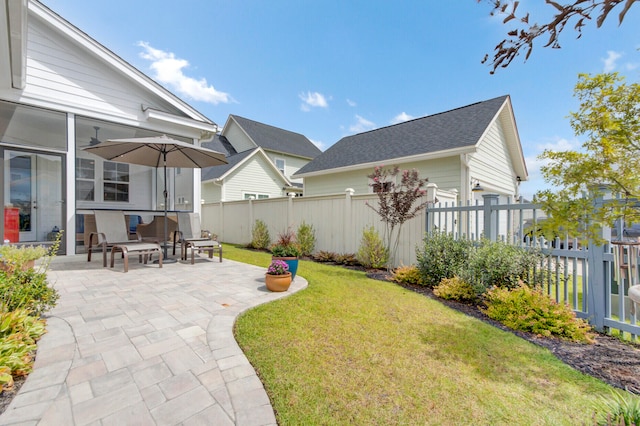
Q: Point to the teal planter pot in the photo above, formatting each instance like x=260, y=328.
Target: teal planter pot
x=292, y=262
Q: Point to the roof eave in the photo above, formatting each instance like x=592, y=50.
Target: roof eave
x=400, y=160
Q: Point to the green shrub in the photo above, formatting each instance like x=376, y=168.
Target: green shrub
x=27, y=289
x=306, y=239
x=325, y=256
x=531, y=310
x=18, y=334
x=280, y=250
x=407, y=275
x=442, y=256
x=17, y=257
x=455, y=289
x=623, y=408
x=500, y=264
x=372, y=252
x=260, y=238
x=348, y=259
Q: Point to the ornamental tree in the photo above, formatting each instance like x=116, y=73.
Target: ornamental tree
x=609, y=118
x=578, y=12
x=396, y=202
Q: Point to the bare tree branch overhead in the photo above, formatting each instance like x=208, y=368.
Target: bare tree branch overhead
x=579, y=13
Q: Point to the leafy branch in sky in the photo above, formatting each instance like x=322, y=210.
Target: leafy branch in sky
x=579, y=12
x=609, y=118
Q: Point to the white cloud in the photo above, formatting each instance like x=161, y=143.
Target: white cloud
x=361, y=125
x=312, y=99
x=351, y=103
x=169, y=71
x=610, y=60
x=403, y=116
x=321, y=145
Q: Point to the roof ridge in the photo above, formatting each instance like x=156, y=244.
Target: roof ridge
x=268, y=125
x=428, y=116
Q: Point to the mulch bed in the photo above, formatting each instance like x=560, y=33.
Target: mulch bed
x=609, y=359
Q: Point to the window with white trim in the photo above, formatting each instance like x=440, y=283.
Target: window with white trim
x=280, y=164
x=116, y=181
x=256, y=196
x=85, y=179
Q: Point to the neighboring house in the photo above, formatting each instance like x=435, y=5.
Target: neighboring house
x=61, y=91
x=262, y=160
x=473, y=146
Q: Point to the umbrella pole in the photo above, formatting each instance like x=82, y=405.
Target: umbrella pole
x=165, y=258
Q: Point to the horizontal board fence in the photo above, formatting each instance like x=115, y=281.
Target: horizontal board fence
x=594, y=281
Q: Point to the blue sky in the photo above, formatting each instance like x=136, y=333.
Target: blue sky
x=328, y=69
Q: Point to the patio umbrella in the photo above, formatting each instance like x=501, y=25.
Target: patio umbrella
x=155, y=152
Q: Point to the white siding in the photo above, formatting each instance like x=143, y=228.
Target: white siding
x=444, y=172
x=238, y=137
x=255, y=176
x=491, y=164
x=211, y=192
x=291, y=164
x=60, y=73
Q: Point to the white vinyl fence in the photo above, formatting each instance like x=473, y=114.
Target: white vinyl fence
x=338, y=220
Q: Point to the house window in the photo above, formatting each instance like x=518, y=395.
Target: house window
x=255, y=196
x=116, y=181
x=280, y=164
x=381, y=187
x=85, y=179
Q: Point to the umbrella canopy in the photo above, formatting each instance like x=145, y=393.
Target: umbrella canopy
x=152, y=151
x=155, y=152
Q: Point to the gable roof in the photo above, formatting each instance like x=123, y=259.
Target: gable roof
x=14, y=31
x=457, y=129
x=275, y=139
x=234, y=161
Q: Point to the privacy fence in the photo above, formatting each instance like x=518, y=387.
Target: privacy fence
x=593, y=280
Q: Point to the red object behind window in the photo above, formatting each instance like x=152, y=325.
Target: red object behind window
x=12, y=224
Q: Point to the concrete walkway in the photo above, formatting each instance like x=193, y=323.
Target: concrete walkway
x=148, y=347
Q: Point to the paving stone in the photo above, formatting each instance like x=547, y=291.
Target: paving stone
x=152, y=375
x=103, y=406
x=175, y=386
x=86, y=372
x=214, y=415
x=121, y=357
x=135, y=415
x=181, y=408
x=182, y=359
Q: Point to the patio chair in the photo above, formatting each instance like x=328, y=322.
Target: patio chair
x=112, y=232
x=189, y=235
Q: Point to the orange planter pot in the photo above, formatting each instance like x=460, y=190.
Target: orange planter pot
x=278, y=282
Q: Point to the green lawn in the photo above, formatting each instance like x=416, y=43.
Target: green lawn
x=351, y=350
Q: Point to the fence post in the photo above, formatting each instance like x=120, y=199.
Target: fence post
x=490, y=223
x=597, y=297
x=251, y=198
x=347, y=230
x=290, y=221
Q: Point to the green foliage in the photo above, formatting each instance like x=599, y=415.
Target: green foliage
x=325, y=256
x=497, y=263
x=609, y=119
x=260, y=238
x=27, y=289
x=17, y=257
x=407, y=274
x=349, y=259
x=622, y=408
x=306, y=237
x=286, y=245
x=372, y=252
x=442, y=256
x=279, y=250
x=18, y=334
x=455, y=289
x=531, y=310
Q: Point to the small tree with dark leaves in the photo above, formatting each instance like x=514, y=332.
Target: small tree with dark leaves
x=396, y=202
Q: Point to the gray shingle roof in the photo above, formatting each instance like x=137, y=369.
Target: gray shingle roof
x=275, y=139
x=215, y=172
x=457, y=128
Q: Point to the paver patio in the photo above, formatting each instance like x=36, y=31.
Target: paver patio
x=148, y=347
